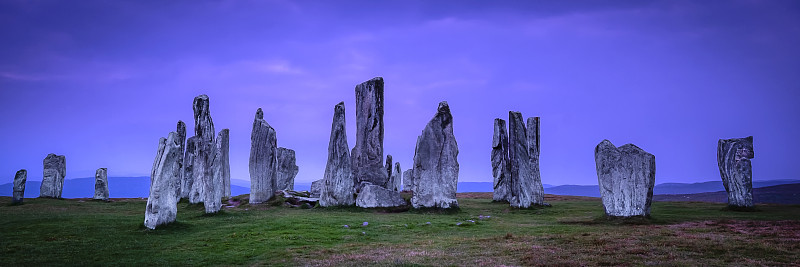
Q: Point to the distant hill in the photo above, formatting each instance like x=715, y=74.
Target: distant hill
x=777, y=194
x=133, y=187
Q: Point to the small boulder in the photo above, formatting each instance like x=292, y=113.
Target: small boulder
x=373, y=196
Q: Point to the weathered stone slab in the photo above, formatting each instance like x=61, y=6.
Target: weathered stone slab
x=162, y=202
x=202, y=169
x=436, y=163
x=373, y=196
x=408, y=180
x=101, y=184
x=626, y=176
x=500, y=170
x=55, y=168
x=526, y=186
x=316, y=188
x=367, y=155
x=187, y=178
x=19, y=186
x=395, y=180
x=733, y=158
x=222, y=167
x=337, y=186
x=181, y=131
x=287, y=169
x=263, y=160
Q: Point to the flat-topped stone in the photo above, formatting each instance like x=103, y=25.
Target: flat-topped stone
x=626, y=176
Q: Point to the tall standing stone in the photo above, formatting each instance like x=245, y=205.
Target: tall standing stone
x=500, y=171
x=55, y=168
x=181, y=131
x=408, y=180
x=537, y=189
x=388, y=168
x=222, y=167
x=436, y=163
x=162, y=203
x=287, y=169
x=337, y=183
x=367, y=155
x=214, y=181
x=101, y=183
x=523, y=181
x=626, y=176
x=396, y=178
x=201, y=169
x=733, y=158
x=19, y=186
x=187, y=177
x=263, y=160
x=203, y=125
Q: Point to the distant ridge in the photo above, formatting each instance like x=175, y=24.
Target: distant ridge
x=139, y=187
x=776, y=194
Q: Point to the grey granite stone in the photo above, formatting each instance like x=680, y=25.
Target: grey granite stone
x=408, y=180
x=373, y=196
x=187, y=176
x=222, y=167
x=367, y=155
x=395, y=180
x=55, y=168
x=203, y=125
x=19, y=186
x=162, y=202
x=181, y=131
x=626, y=176
x=336, y=187
x=436, y=163
x=287, y=169
x=101, y=184
x=500, y=170
x=316, y=188
x=733, y=158
x=526, y=186
x=263, y=160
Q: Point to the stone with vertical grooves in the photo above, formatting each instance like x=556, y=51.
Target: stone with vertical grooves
x=526, y=185
x=55, y=168
x=626, y=176
x=367, y=155
x=101, y=184
x=733, y=159
x=287, y=169
x=436, y=163
x=201, y=169
x=388, y=168
x=537, y=189
x=500, y=171
x=162, y=203
x=222, y=166
x=187, y=176
x=336, y=187
x=181, y=130
x=19, y=186
x=203, y=125
x=263, y=160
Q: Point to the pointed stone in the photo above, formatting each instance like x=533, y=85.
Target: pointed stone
x=500, y=170
x=408, y=180
x=436, y=163
x=263, y=160
x=55, y=168
x=287, y=169
x=367, y=155
x=373, y=196
x=187, y=178
x=626, y=176
x=181, y=131
x=733, y=158
x=203, y=125
x=101, y=184
x=19, y=186
x=337, y=186
x=162, y=203
x=396, y=178
x=222, y=168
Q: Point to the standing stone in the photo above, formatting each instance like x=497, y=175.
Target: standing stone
x=373, y=196
x=436, y=163
x=101, y=184
x=181, y=130
x=263, y=160
x=526, y=189
x=500, y=171
x=367, y=155
x=733, y=158
x=408, y=180
x=396, y=178
x=162, y=204
x=55, y=168
x=222, y=167
x=187, y=178
x=316, y=188
x=537, y=189
x=203, y=125
x=201, y=169
x=337, y=184
x=19, y=186
x=388, y=168
x=214, y=180
x=626, y=176
x=287, y=169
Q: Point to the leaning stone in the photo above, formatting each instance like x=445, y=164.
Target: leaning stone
x=336, y=187
x=223, y=166
x=19, y=186
x=626, y=176
x=367, y=155
x=316, y=188
x=287, y=169
x=187, y=178
x=373, y=196
x=162, y=203
x=500, y=170
x=55, y=168
x=733, y=158
x=408, y=180
x=436, y=163
x=101, y=184
x=263, y=160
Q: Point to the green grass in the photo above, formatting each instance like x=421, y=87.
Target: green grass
x=46, y=232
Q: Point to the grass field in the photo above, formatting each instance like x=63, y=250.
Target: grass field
x=47, y=232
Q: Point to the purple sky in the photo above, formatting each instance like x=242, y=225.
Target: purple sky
x=101, y=81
